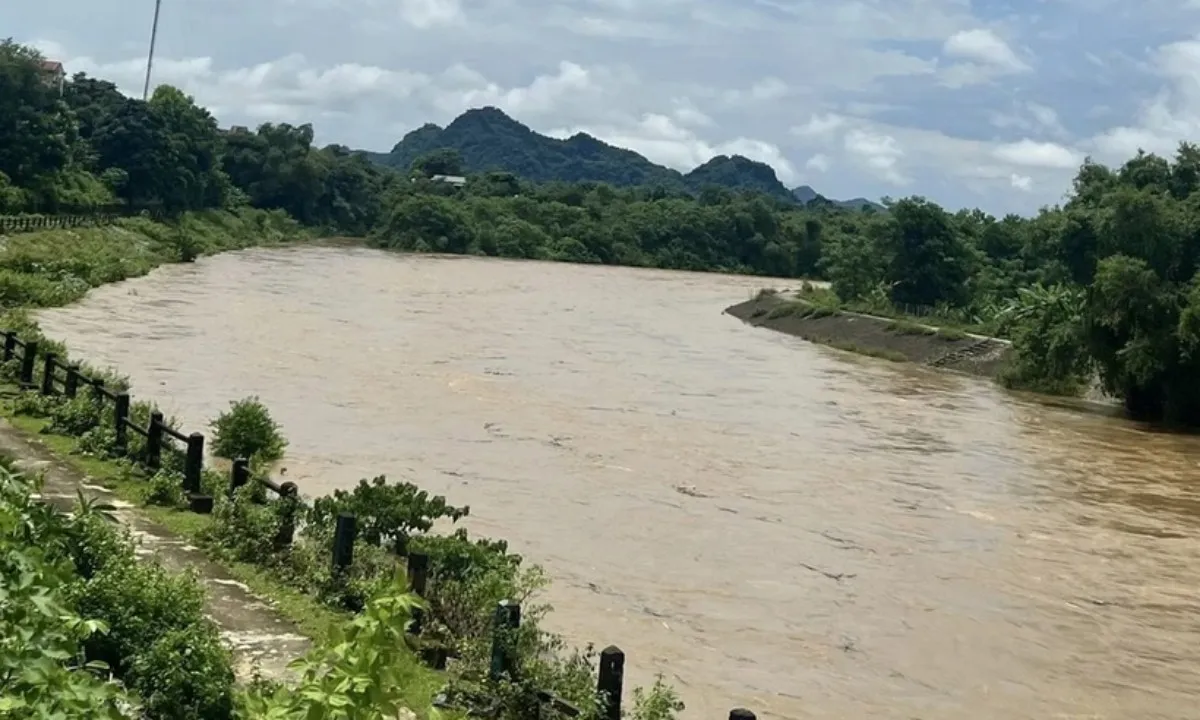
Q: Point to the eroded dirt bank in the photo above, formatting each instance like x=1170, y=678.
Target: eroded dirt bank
x=881, y=337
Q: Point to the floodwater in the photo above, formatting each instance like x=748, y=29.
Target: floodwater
x=771, y=524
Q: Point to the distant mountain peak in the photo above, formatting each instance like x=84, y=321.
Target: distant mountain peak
x=805, y=195
x=490, y=139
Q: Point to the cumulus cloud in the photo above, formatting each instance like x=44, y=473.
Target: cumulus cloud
x=984, y=56
x=983, y=46
x=1171, y=115
x=861, y=98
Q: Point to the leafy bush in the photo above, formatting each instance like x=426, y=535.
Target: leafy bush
x=359, y=674
x=243, y=528
x=94, y=541
x=45, y=674
x=660, y=702
x=140, y=602
x=76, y=416
x=385, y=512
x=159, y=640
x=186, y=674
x=164, y=488
x=247, y=430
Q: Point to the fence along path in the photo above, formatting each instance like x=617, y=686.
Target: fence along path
x=86, y=217
x=507, y=615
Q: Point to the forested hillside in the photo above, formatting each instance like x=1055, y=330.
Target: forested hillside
x=1105, y=283
x=489, y=140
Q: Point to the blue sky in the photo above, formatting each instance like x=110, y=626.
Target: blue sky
x=990, y=104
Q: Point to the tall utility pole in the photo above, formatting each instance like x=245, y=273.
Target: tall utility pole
x=150, y=57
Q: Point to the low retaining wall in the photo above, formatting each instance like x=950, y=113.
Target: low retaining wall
x=877, y=336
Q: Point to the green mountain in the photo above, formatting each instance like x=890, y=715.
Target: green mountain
x=805, y=195
x=488, y=139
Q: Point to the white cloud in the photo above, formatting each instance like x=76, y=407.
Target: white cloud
x=879, y=153
x=665, y=141
x=983, y=46
x=1170, y=116
x=425, y=14
x=819, y=162
x=1030, y=117
x=1028, y=153
x=820, y=125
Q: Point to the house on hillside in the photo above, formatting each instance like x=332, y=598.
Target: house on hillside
x=53, y=74
x=455, y=180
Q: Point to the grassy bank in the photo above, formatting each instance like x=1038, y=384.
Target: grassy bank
x=817, y=316
x=57, y=267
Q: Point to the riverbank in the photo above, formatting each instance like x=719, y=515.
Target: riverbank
x=896, y=340
x=51, y=268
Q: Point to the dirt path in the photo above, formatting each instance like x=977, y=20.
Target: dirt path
x=259, y=635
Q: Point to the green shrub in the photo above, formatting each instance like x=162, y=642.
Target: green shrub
x=140, y=602
x=247, y=430
x=75, y=417
x=34, y=404
x=97, y=442
x=660, y=702
x=164, y=488
x=242, y=528
x=42, y=635
x=384, y=511
x=360, y=672
x=94, y=543
x=186, y=674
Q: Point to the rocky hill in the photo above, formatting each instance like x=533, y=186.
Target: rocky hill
x=488, y=139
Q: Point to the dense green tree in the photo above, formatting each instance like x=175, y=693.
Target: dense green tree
x=927, y=261
x=445, y=161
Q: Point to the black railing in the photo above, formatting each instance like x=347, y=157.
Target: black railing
x=74, y=218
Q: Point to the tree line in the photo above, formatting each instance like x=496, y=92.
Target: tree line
x=1104, y=285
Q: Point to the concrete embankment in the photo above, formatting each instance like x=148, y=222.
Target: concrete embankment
x=870, y=335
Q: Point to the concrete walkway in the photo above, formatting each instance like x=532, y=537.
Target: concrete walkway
x=260, y=636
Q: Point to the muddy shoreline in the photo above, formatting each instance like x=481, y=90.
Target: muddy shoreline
x=880, y=337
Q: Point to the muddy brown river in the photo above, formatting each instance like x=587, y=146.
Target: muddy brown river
x=768, y=523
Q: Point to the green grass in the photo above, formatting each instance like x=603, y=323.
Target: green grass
x=51, y=268
x=799, y=309
x=949, y=328
x=905, y=327
x=312, y=617
x=952, y=334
